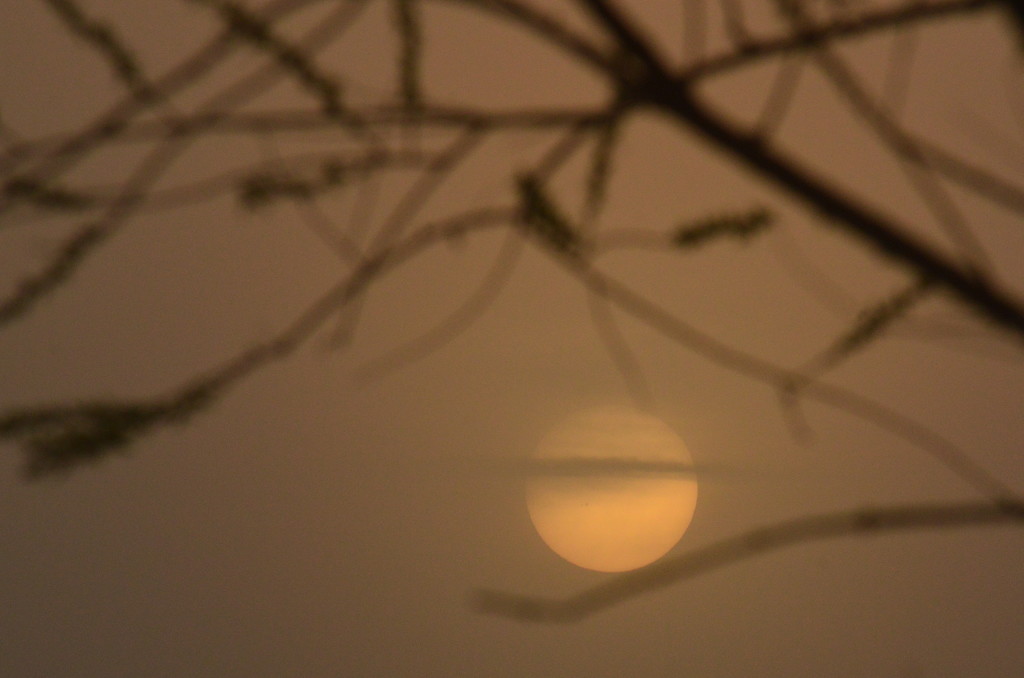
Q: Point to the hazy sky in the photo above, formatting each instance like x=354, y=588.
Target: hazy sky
x=315, y=523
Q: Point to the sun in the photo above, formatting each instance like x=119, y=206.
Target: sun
x=611, y=489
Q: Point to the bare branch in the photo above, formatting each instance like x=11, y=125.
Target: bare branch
x=675, y=97
x=673, y=570
x=305, y=176
x=58, y=439
x=70, y=255
x=249, y=27
x=454, y=323
x=629, y=37
x=953, y=458
x=899, y=69
x=912, y=158
x=49, y=166
x=780, y=96
x=429, y=181
x=176, y=140
x=407, y=23
x=545, y=219
x=735, y=23
x=107, y=43
x=885, y=235
x=870, y=324
x=624, y=358
x=380, y=117
x=544, y=26
x=741, y=226
x=748, y=52
x=601, y=168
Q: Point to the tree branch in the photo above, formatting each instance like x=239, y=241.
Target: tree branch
x=748, y=545
x=885, y=235
x=543, y=25
x=59, y=438
x=674, y=96
x=749, y=52
x=107, y=43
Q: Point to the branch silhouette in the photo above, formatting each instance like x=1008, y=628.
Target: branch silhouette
x=58, y=439
x=400, y=132
x=641, y=77
x=670, y=571
x=373, y=161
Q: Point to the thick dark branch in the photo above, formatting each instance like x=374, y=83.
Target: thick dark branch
x=911, y=156
x=784, y=381
x=892, y=239
x=674, y=97
x=670, y=571
x=408, y=24
x=629, y=37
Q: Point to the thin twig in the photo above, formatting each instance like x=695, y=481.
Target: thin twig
x=426, y=185
x=101, y=37
x=780, y=96
x=540, y=24
x=455, y=323
x=896, y=86
x=623, y=357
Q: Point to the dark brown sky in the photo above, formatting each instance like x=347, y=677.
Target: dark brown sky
x=315, y=524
